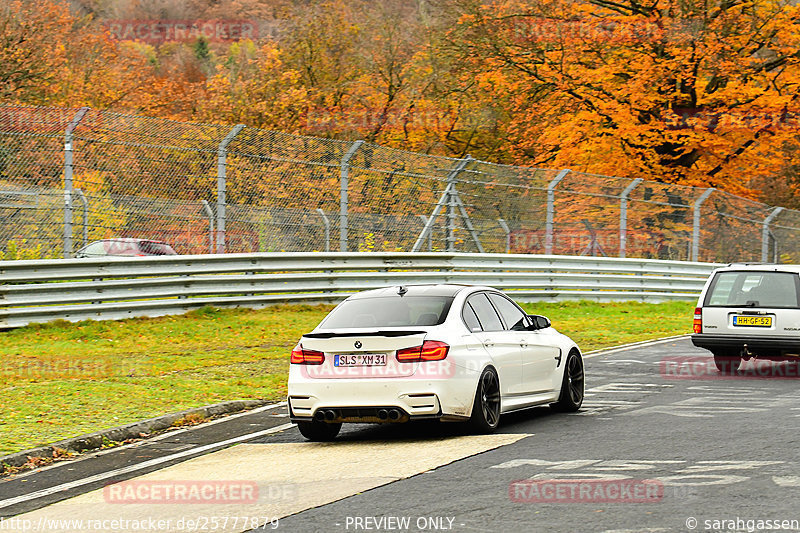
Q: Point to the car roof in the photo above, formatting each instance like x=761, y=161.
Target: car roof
x=759, y=267
x=442, y=289
x=130, y=239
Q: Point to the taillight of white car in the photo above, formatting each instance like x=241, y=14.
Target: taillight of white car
x=427, y=351
x=303, y=356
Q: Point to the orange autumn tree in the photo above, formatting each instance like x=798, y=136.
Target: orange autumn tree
x=691, y=92
x=49, y=55
x=356, y=70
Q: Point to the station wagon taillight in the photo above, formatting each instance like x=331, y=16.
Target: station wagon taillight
x=303, y=356
x=428, y=351
x=697, y=324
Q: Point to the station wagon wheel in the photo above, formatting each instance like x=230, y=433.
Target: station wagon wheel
x=572, y=385
x=486, y=407
x=727, y=362
x=319, y=431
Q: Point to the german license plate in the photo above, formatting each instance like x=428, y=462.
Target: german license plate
x=752, y=321
x=360, y=359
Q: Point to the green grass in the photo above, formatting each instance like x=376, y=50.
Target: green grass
x=60, y=380
x=594, y=325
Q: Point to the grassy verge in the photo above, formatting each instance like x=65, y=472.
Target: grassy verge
x=61, y=380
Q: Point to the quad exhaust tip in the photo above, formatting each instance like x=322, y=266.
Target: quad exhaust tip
x=329, y=415
x=389, y=414
x=325, y=415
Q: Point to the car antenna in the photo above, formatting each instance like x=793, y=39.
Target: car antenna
x=402, y=290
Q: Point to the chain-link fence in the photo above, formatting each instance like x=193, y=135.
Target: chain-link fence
x=72, y=176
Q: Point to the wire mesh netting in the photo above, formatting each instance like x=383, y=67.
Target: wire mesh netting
x=70, y=176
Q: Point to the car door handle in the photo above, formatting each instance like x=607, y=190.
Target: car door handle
x=488, y=344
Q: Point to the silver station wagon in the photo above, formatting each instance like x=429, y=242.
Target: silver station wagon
x=748, y=311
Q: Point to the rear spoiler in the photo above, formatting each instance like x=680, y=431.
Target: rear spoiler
x=388, y=333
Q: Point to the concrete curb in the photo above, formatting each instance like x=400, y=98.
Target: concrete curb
x=623, y=347
x=94, y=441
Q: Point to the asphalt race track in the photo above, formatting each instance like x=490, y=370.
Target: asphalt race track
x=663, y=443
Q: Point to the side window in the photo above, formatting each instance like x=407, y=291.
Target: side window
x=486, y=313
x=470, y=318
x=96, y=248
x=512, y=316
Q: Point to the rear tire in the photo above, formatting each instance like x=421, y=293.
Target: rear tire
x=572, y=385
x=319, y=431
x=486, y=407
x=727, y=362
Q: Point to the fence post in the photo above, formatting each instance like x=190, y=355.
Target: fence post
x=207, y=210
x=430, y=233
x=551, y=197
x=85, y=215
x=68, y=180
x=508, y=233
x=450, y=199
x=696, y=225
x=327, y=228
x=623, y=215
x=428, y=228
x=450, y=239
x=222, y=185
x=452, y=203
x=344, y=175
x=765, y=233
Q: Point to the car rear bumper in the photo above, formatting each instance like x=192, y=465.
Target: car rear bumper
x=361, y=400
x=770, y=344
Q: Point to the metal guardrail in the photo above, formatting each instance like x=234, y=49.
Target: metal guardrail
x=115, y=288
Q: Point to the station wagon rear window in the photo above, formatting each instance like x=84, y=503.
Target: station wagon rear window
x=754, y=289
x=389, y=311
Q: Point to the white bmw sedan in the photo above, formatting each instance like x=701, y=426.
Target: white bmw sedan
x=447, y=352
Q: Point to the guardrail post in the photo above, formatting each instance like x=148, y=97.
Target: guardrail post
x=327, y=224
x=508, y=233
x=765, y=233
x=222, y=186
x=623, y=215
x=344, y=175
x=551, y=210
x=210, y=214
x=85, y=215
x=696, y=225
x=68, y=179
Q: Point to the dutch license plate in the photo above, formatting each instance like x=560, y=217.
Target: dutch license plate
x=753, y=321
x=360, y=359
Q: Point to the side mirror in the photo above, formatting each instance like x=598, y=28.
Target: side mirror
x=538, y=322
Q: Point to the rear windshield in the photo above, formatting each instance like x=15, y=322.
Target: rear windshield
x=753, y=289
x=389, y=311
